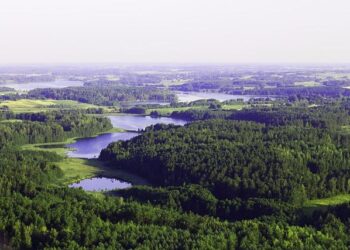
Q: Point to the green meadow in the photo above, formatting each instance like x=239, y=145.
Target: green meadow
x=28, y=105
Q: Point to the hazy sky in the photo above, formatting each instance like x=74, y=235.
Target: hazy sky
x=206, y=31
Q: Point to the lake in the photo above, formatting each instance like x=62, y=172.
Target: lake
x=195, y=96
x=91, y=147
x=100, y=184
x=59, y=83
x=135, y=123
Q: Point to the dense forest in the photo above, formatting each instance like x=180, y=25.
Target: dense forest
x=49, y=127
x=37, y=215
x=230, y=179
x=241, y=159
x=104, y=95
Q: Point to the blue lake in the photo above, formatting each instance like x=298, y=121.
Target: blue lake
x=101, y=184
x=59, y=83
x=91, y=147
x=135, y=123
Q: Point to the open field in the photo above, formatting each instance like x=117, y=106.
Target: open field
x=168, y=110
x=7, y=92
x=168, y=83
x=59, y=147
x=331, y=201
x=234, y=106
x=28, y=105
x=75, y=169
x=307, y=84
x=322, y=204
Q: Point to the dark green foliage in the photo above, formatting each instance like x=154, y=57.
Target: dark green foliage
x=104, y=95
x=199, y=200
x=223, y=184
x=38, y=216
x=135, y=110
x=51, y=127
x=240, y=159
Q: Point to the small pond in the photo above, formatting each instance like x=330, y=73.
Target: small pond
x=135, y=122
x=59, y=83
x=100, y=184
x=91, y=147
x=195, y=96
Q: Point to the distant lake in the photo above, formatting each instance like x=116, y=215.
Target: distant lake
x=132, y=104
x=134, y=122
x=59, y=83
x=92, y=146
x=195, y=96
x=100, y=184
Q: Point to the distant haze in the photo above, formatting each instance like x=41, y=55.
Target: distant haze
x=179, y=31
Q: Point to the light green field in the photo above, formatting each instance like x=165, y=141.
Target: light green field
x=10, y=121
x=7, y=92
x=76, y=169
x=62, y=151
x=27, y=105
x=345, y=128
x=234, y=106
x=168, y=83
x=333, y=75
x=307, y=84
x=331, y=201
x=168, y=111
x=248, y=87
x=322, y=205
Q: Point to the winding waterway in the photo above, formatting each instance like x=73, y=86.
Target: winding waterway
x=101, y=184
x=91, y=147
x=59, y=83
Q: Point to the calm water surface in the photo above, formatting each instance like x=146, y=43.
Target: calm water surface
x=133, y=122
x=60, y=83
x=100, y=184
x=91, y=147
x=195, y=96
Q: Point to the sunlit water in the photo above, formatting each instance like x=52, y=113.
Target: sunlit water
x=135, y=123
x=34, y=85
x=91, y=147
x=100, y=184
x=195, y=96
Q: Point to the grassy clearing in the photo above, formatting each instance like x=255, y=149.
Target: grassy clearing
x=28, y=105
x=11, y=121
x=76, y=169
x=168, y=83
x=167, y=111
x=345, y=128
x=60, y=147
x=55, y=147
x=234, y=106
x=8, y=92
x=322, y=205
x=331, y=201
x=307, y=84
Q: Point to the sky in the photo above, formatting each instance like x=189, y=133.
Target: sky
x=174, y=31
